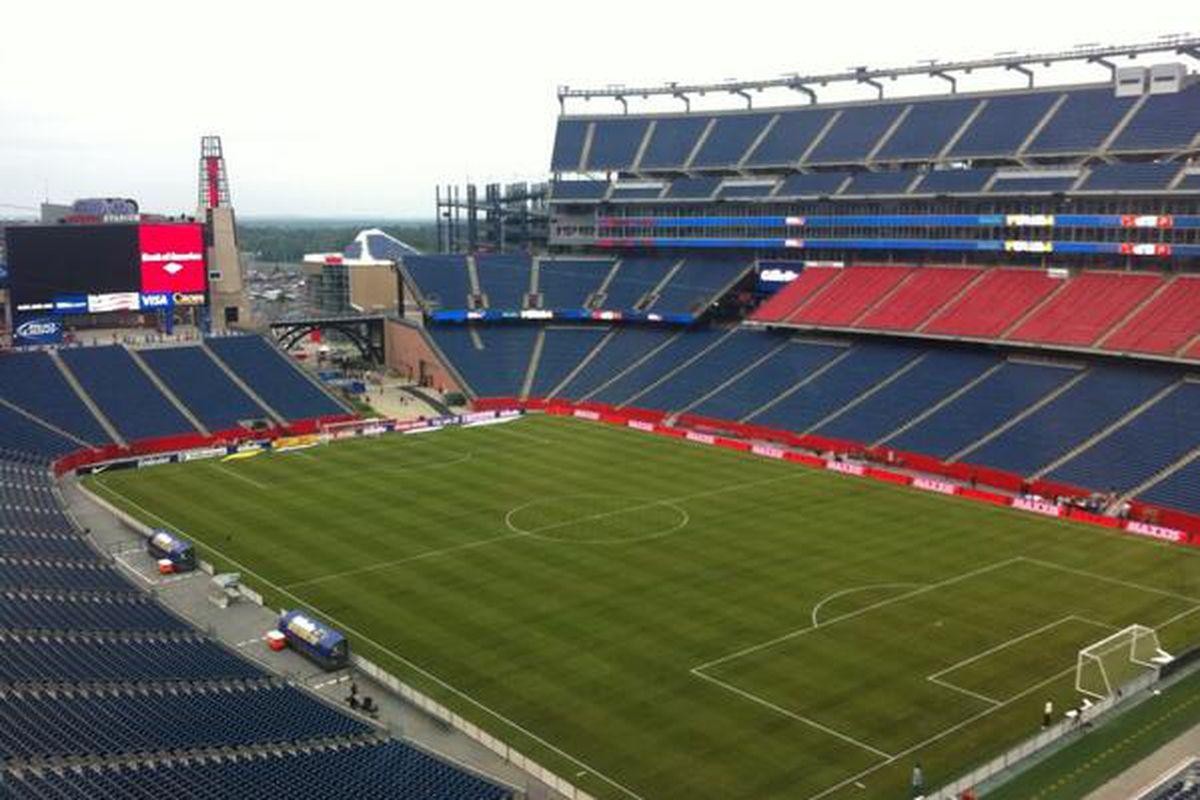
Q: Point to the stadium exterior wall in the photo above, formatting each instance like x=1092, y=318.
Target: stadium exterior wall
x=409, y=353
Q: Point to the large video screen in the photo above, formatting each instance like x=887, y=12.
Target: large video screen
x=92, y=269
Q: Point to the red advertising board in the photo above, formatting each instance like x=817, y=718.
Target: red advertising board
x=172, y=258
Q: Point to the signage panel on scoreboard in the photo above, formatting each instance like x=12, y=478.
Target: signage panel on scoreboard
x=172, y=258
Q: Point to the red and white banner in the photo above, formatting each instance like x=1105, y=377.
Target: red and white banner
x=934, y=485
x=702, y=438
x=845, y=467
x=767, y=451
x=640, y=425
x=585, y=414
x=1037, y=506
x=1155, y=531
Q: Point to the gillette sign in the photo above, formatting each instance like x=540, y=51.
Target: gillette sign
x=172, y=257
x=39, y=330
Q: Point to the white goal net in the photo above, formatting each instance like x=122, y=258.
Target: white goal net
x=1111, y=663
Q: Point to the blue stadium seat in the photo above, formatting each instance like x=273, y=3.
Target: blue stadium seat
x=981, y=409
x=926, y=130
x=789, y=365
x=855, y=134
x=497, y=369
x=634, y=279
x=569, y=137
x=1032, y=183
x=789, y=138
x=697, y=284
x=729, y=139
x=351, y=771
x=1178, y=490
x=1164, y=122
x=718, y=365
x=615, y=143
x=1103, y=396
x=568, y=283
x=954, y=181
x=191, y=374
x=1142, y=447
x=1004, y=124
x=56, y=611
x=441, y=280
x=269, y=375
x=628, y=345
x=880, y=183
x=701, y=187
x=672, y=142
x=504, y=279
x=19, y=433
x=745, y=190
x=636, y=192
x=34, y=382
x=680, y=348
x=65, y=658
x=124, y=394
x=578, y=190
x=108, y=722
x=1082, y=123
x=813, y=184
x=864, y=366
x=562, y=350
x=1146, y=177
x=939, y=374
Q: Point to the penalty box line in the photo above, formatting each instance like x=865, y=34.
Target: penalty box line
x=937, y=678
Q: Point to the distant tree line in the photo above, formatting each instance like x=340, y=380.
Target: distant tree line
x=289, y=241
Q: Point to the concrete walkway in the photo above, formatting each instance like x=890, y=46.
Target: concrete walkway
x=1155, y=767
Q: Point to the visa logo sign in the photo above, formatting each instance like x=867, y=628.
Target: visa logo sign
x=156, y=300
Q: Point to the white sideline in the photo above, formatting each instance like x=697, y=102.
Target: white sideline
x=399, y=658
x=233, y=474
x=798, y=717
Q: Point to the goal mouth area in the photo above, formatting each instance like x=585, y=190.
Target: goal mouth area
x=1104, y=667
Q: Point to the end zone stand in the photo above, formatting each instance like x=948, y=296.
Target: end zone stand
x=963, y=480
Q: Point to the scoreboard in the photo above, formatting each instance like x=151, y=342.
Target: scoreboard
x=95, y=269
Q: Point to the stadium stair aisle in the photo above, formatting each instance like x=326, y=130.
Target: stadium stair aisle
x=795, y=294
x=203, y=386
x=274, y=379
x=33, y=382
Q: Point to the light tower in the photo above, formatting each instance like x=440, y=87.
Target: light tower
x=227, y=291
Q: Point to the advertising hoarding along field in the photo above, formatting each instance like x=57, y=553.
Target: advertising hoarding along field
x=94, y=269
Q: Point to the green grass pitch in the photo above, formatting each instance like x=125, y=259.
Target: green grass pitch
x=652, y=618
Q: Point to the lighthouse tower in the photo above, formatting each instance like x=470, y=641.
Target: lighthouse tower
x=227, y=290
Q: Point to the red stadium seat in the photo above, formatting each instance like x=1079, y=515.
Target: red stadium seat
x=927, y=290
x=851, y=294
x=994, y=303
x=791, y=297
x=1088, y=307
x=1165, y=324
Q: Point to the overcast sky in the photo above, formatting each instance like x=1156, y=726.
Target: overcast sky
x=353, y=108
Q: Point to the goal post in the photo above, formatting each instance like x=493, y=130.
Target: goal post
x=1103, y=667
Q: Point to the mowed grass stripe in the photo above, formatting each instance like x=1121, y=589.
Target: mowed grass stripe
x=590, y=646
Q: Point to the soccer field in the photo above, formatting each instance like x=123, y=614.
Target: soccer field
x=653, y=618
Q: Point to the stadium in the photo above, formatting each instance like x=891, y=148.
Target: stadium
x=820, y=450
